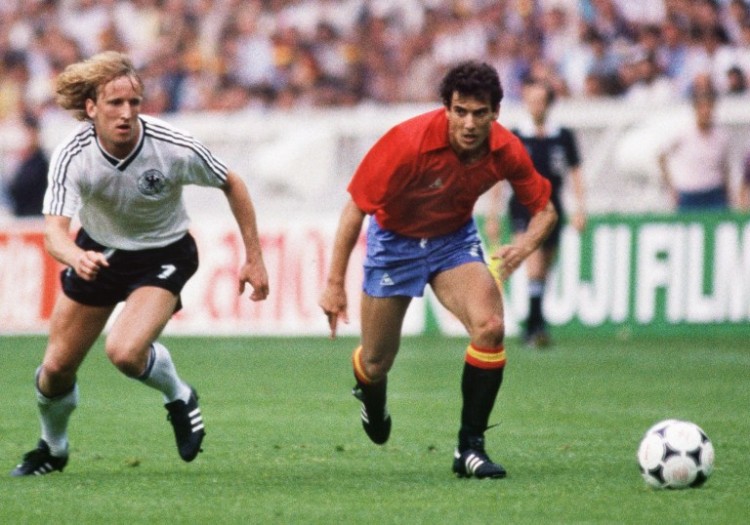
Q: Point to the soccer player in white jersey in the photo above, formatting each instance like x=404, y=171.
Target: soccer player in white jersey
x=122, y=173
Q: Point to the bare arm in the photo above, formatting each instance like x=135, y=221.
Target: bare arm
x=333, y=299
x=59, y=245
x=539, y=228
x=726, y=178
x=666, y=176
x=743, y=192
x=492, y=219
x=253, y=270
x=579, y=190
x=744, y=195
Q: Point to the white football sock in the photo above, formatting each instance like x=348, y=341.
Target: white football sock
x=54, y=414
x=536, y=287
x=161, y=374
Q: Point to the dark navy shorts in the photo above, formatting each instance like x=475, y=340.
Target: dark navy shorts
x=402, y=266
x=168, y=267
x=714, y=199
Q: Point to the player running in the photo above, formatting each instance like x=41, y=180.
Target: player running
x=419, y=183
x=123, y=173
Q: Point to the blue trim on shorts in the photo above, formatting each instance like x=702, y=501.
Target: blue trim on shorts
x=396, y=265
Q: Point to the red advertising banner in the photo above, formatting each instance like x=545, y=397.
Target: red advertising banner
x=28, y=281
x=297, y=255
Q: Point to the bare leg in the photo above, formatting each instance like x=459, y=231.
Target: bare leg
x=471, y=294
x=74, y=328
x=382, y=319
x=132, y=347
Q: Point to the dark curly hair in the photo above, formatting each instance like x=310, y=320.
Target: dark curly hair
x=475, y=79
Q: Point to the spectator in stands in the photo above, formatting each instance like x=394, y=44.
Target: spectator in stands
x=595, y=86
x=742, y=48
x=704, y=15
x=672, y=48
x=608, y=20
x=85, y=21
x=643, y=12
x=734, y=17
x=29, y=181
x=359, y=45
x=14, y=77
x=648, y=41
x=592, y=59
x=502, y=53
x=709, y=53
x=736, y=81
x=423, y=73
x=695, y=163
x=253, y=63
x=557, y=33
x=651, y=86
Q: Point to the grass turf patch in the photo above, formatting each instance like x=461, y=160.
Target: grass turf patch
x=284, y=443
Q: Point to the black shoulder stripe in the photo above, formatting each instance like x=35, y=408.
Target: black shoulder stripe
x=180, y=139
x=171, y=132
x=60, y=169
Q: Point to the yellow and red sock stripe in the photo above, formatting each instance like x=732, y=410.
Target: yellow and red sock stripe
x=486, y=358
x=359, y=369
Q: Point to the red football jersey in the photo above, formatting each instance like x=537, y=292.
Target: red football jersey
x=415, y=185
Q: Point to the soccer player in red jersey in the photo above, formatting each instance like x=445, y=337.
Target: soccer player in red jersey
x=419, y=183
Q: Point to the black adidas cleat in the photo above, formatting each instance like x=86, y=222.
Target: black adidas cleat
x=39, y=461
x=474, y=461
x=377, y=427
x=187, y=422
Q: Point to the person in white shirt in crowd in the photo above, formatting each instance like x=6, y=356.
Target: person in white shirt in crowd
x=694, y=163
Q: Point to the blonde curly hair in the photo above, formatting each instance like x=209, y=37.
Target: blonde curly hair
x=82, y=81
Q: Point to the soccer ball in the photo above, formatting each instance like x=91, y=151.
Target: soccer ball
x=675, y=454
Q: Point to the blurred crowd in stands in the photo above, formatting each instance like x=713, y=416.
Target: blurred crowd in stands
x=200, y=55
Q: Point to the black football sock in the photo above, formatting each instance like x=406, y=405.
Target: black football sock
x=479, y=388
x=535, y=320
x=374, y=396
x=373, y=393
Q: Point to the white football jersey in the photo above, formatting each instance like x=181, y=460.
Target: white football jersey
x=133, y=203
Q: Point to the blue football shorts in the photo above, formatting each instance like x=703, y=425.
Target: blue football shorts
x=402, y=266
x=168, y=267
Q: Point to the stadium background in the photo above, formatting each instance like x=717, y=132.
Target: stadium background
x=285, y=444
x=233, y=73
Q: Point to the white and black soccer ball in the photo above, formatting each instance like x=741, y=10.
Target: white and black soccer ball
x=675, y=454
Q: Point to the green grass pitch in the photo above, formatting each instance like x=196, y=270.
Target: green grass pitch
x=284, y=443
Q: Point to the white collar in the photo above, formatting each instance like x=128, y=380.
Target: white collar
x=527, y=128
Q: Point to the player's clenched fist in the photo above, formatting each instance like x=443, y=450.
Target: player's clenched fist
x=88, y=264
